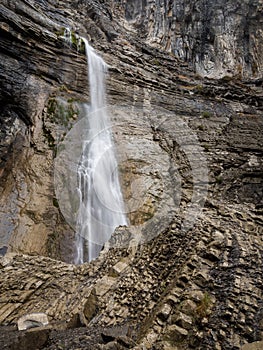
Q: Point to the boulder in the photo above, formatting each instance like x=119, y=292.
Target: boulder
x=164, y=313
x=176, y=334
x=32, y=320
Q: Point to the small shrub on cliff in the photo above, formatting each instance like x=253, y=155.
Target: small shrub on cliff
x=219, y=180
x=203, y=308
x=206, y=114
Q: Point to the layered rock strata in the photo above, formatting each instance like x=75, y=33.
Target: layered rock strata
x=187, y=273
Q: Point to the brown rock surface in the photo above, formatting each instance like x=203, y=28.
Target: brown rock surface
x=187, y=273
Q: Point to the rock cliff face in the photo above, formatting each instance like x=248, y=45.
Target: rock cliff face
x=185, y=95
x=217, y=38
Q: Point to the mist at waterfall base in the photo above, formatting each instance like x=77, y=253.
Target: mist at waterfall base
x=101, y=207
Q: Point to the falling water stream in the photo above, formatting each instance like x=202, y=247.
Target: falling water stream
x=101, y=207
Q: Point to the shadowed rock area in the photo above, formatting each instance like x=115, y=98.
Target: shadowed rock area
x=184, y=90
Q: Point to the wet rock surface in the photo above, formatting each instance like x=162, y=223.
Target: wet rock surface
x=187, y=273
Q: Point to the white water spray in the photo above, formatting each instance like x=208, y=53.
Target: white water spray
x=101, y=207
x=67, y=36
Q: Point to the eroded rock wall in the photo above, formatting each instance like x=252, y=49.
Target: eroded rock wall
x=217, y=37
x=34, y=71
x=187, y=145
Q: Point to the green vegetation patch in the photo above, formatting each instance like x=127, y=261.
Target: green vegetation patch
x=206, y=114
x=203, y=308
x=62, y=112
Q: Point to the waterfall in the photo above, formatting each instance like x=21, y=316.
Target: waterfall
x=101, y=207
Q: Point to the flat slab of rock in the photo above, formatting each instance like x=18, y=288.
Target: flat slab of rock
x=32, y=320
x=258, y=345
